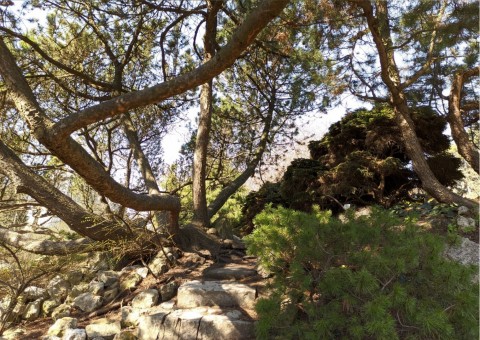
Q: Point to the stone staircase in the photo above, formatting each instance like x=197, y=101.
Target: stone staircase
x=217, y=309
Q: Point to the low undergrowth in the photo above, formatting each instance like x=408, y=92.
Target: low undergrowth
x=371, y=277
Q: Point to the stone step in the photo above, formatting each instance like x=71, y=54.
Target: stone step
x=228, y=272
x=200, y=323
x=215, y=293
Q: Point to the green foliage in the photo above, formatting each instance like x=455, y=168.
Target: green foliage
x=362, y=160
x=361, y=278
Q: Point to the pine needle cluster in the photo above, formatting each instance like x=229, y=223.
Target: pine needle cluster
x=371, y=277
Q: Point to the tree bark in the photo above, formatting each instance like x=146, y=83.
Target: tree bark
x=77, y=218
x=199, y=190
x=380, y=30
x=41, y=245
x=148, y=175
x=454, y=117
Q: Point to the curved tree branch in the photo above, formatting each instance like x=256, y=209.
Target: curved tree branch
x=239, y=41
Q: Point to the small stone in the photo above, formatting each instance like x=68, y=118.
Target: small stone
x=75, y=334
x=110, y=294
x=228, y=243
x=142, y=271
x=126, y=335
x=58, y=288
x=74, y=277
x=465, y=253
x=87, y=302
x=77, y=290
x=466, y=223
x=48, y=306
x=100, y=261
x=96, y=288
x=168, y=291
x=129, y=280
x=212, y=231
x=61, y=311
x=103, y=328
x=159, y=264
x=109, y=277
x=145, y=299
x=32, y=310
x=61, y=325
x=238, y=243
x=33, y=293
x=463, y=210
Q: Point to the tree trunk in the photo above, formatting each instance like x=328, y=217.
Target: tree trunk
x=199, y=191
x=380, y=30
x=464, y=145
x=148, y=176
x=232, y=187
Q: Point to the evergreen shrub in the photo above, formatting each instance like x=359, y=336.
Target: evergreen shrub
x=371, y=277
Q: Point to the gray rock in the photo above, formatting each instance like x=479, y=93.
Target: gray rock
x=466, y=223
x=126, y=335
x=77, y=290
x=109, y=277
x=197, y=323
x=74, y=334
x=238, y=243
x=104, y=328
x=466, y=252
x=49, y=306
x=58, y=288
x=228, y=273
x=61, y=325
x=87, y=302
x=99, y=261
x=168, y=290
x=214, y=293
x=463, y=211
x=74, y=277
x=142, y=271
x=61, y=311
x=32, y=310
x=129, y=280
x=159, y=264
x=96, y=288
x=225, y=327
x=109, y=295
x=33, y=293
x=145, y=299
